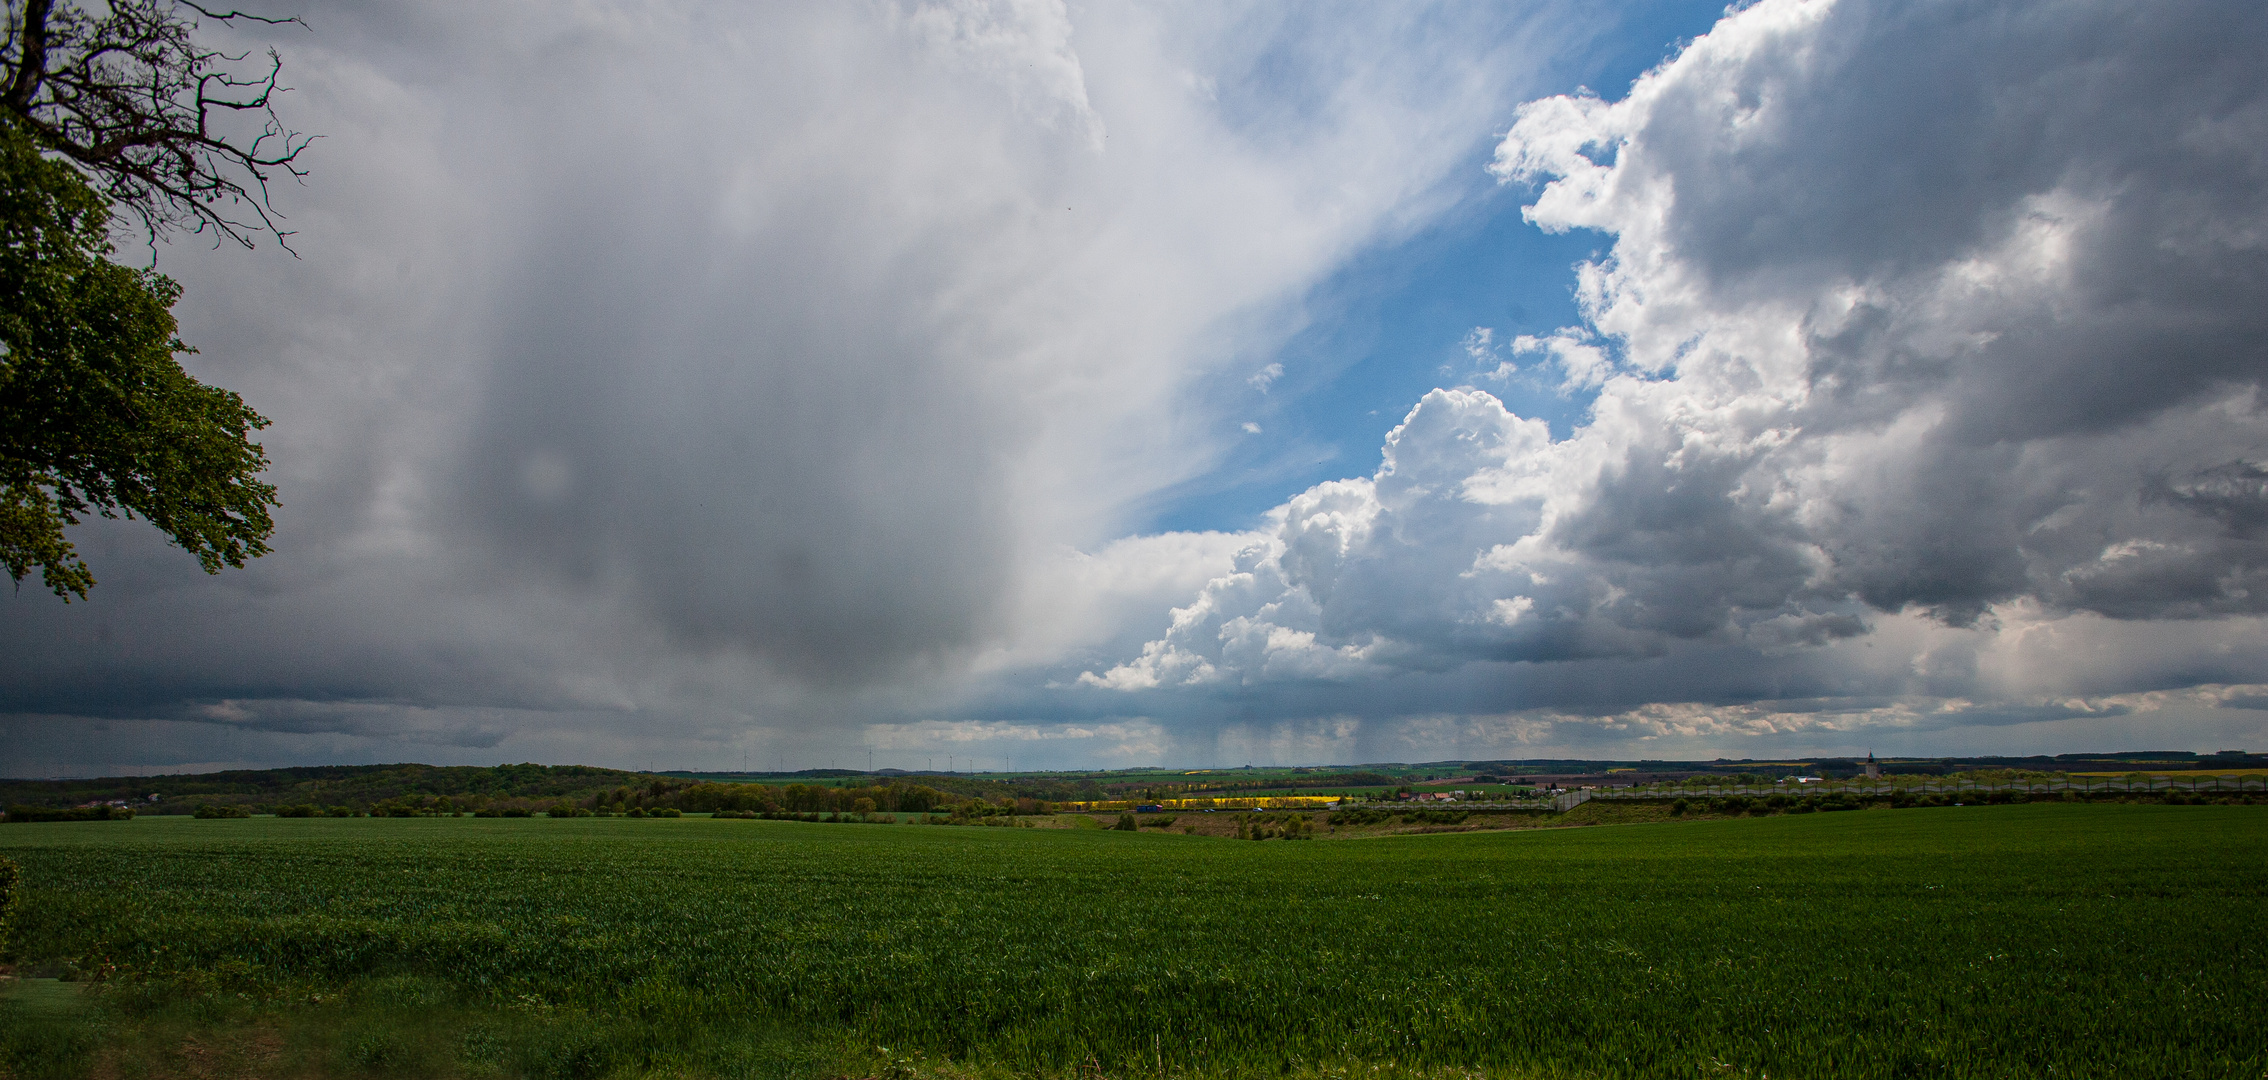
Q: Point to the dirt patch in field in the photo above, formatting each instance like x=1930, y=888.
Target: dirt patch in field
x=227, y=1055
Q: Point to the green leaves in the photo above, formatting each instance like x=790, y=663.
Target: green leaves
x=96, y=415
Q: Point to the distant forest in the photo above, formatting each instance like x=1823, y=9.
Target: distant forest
x=527, y=788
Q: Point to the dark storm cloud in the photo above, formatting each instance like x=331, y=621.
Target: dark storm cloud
x=766, y=456
x=2234, y=493
x=715, y=376
x=2035, y=228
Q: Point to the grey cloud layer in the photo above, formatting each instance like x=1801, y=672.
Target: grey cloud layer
x=739, y=374
x=687, y=377
x=1936, y=318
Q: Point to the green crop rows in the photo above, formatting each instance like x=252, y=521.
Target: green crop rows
x=2047, y=940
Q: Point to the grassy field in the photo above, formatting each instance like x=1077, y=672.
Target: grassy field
x=2042, y=940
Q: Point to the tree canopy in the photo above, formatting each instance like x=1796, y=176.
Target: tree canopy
x=112, y=112
x=96, y=414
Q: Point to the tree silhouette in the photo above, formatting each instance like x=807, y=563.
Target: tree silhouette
x=175, y=134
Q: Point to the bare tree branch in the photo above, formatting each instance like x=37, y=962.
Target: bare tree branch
x=227, y=16
x=143, y=112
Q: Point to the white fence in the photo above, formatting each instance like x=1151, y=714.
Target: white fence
x=1569, y=800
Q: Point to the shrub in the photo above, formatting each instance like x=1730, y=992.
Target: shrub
x=9, y=875
x=1275, y=827
x=1126, y=823
x=1677, y=808
x=301, y=810
x=1434, y=817
x=76, y=813
x=667, y=811
x=209, y=811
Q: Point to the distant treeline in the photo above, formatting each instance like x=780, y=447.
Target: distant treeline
x=528, y=788
x=896, y=797
x=76, y=813
x=360, y=787
x=665, y=797
x=1208, y=784
x=497, y=791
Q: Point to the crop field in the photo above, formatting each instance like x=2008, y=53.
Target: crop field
x=2041, y=940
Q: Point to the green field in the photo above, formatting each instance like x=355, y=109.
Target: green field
x=2041, y=940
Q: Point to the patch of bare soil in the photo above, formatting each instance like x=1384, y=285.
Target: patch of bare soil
x=255, y=1052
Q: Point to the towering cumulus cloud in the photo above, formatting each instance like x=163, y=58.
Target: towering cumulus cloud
x=1927, y=360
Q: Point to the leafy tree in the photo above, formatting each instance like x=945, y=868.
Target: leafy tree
x=96, y=415
x=115, y=105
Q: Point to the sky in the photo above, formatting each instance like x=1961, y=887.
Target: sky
x=1021, y=384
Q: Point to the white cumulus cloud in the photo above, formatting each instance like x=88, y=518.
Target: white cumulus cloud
x=1925, y=328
